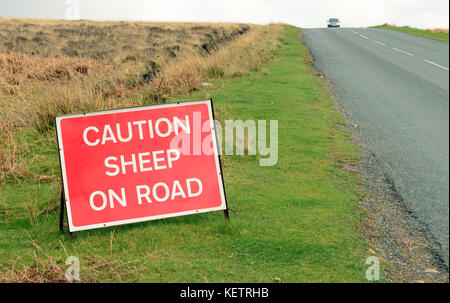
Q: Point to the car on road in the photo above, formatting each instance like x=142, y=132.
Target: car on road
x=333, y=22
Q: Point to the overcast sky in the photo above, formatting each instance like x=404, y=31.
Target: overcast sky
x=303, y=13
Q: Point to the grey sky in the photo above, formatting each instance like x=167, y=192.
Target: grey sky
x=303, y=13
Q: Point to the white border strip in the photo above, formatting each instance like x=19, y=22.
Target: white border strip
x=73, y=228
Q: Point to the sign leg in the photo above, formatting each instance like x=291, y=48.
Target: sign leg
x=226, y=214
x=61, y=212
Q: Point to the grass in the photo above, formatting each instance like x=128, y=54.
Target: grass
x=296, y=221
x=35, y=88
x=436, y=34
x=138, y=48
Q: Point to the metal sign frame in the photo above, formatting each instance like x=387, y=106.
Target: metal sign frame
x=65, y=198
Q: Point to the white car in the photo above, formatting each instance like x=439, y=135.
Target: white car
x=334, y=22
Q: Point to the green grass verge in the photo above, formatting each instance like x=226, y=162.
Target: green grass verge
x=416, y=31
x=296, y=221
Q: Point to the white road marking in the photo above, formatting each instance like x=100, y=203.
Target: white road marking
x=378, y=42
x=435, y=64
x=402, y=51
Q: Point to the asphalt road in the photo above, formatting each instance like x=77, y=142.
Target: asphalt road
x=396, y=87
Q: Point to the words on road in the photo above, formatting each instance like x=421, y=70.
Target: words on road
x=138, y=164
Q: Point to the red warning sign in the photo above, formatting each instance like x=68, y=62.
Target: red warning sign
x=137, y=164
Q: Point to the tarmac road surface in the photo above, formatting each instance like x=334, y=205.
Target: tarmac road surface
x=396, y=87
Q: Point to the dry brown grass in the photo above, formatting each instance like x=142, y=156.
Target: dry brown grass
x=41, y=271
x=12, y=163
x=433, y=30
x=34, y=89
x=40, y=78
x=439, y=30
x=238, y=58
x=17, y=68
x=45, y=269
x=138, y=48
